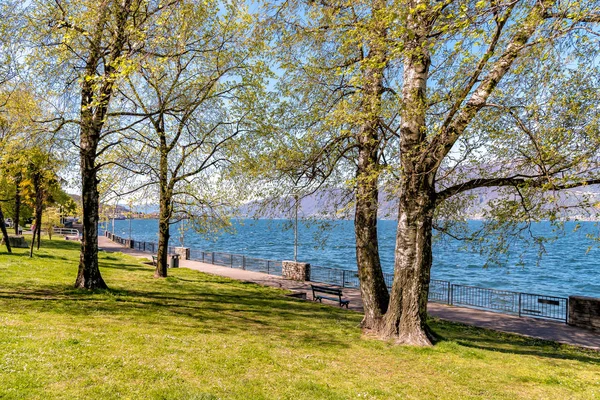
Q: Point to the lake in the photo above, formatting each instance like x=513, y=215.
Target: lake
x=568, y=268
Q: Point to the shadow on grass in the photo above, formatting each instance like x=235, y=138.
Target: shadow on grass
x=229, y=310
x=36, y=254
x=488, y=340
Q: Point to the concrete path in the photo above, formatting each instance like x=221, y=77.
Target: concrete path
x=532, y=327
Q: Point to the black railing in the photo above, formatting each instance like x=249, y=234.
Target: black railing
x=503, y=301
x=271, y=267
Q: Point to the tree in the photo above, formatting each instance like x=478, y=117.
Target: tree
x=39, y=185
x=17, y=131
x=462, y=88
x=93, y=44
x=185, y=109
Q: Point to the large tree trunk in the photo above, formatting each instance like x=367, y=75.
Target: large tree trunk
x=39, y=209
x=33, y=233
x=88, y=275
x=39, y=203
x=164, y=213
x=372, y=283
x=163, y=238
x=405, y=320
x=4, y=231
x=17, y=203
x=95, y=98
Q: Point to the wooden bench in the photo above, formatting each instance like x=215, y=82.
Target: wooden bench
x=329, y=291
x=154, y=260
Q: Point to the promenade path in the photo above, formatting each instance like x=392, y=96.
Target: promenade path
x=536, y=328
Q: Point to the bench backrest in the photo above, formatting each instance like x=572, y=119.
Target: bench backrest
x=323, y=289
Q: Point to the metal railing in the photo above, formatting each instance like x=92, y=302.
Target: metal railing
x=271, y=267
x=66, y=231
x=502, y=301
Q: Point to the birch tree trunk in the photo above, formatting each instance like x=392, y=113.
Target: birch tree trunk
x=407, y=312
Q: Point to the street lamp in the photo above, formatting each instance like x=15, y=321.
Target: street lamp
x=296, y=228
x=130, y=217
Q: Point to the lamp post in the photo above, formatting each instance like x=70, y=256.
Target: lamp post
x=130, y=217
x=296, y=228
x=114, y=212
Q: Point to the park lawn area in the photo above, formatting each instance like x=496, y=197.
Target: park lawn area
x=197, y=336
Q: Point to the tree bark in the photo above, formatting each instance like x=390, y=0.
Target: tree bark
x=405, y=320
x=4, y=231
x=17, y=202
x=95, y=98
x=164, y=213
x=39, y=208
x=33, y=233
x=88, y=275
x=163, y=238
x=372, y=283
x=39, y=204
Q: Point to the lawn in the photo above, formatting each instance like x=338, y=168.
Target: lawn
x=197, y=336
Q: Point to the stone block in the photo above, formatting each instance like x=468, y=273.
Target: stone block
x=297, y=271
x=584, y=312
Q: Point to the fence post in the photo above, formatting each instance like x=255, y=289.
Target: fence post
x=268, y=262
x=231, y=260
x=244, y=262
x=520, y=304
x=450, y=294
x=343, y=278
x=212, y=257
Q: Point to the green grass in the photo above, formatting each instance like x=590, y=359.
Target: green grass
x=196, y=336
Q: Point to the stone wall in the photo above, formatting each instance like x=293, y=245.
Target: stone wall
x=584, y=312
x=296, y=271
x=184, y=252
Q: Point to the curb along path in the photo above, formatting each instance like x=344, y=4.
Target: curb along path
x=536, y=328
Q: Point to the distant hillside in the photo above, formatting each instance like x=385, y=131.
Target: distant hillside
x=119, y=210
x=328, y=205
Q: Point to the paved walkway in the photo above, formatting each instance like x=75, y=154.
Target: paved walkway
x=537, y=328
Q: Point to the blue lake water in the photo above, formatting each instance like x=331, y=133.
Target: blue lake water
x=569, y=267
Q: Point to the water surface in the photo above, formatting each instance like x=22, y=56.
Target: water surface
x=568, y=268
